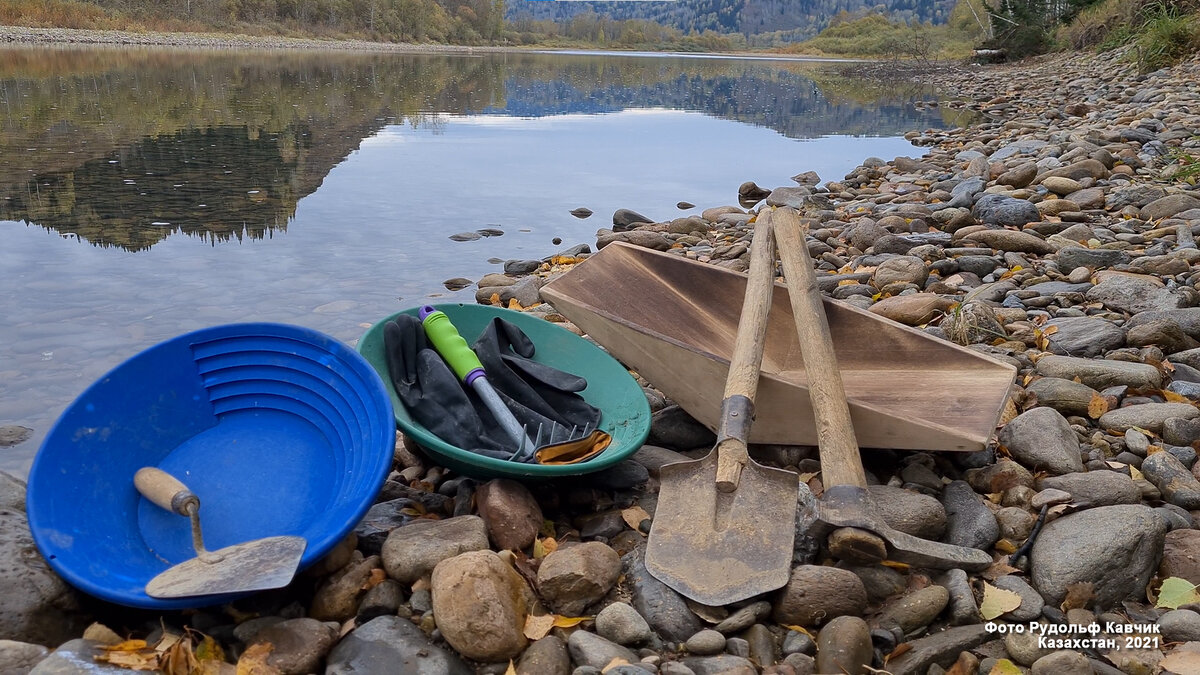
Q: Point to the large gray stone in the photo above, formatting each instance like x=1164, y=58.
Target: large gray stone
x=1115, y=548
x=1004, y=211
x=574, y=577
x=38, y=606
x=941, y=648
x=908, y=511
x=589, y=649
x=1149, y=416
x=969, y=522
x=392, y=644
x=1134, y=293
x=1084, y=336
x=1177, y=485
x=412, y=551
x=1072, y=257
x=1187, y=318
x=1066, y=396
x=1165, y=207
x=665, y=610
x=1095, y=488
x=1100, y=374
x=1041, y=439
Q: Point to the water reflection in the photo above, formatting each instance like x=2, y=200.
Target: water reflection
x=124, y=147
x=320, y=189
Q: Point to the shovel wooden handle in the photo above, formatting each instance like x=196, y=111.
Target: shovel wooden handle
x=166, y=491
x=840, y=461
x=741, y=385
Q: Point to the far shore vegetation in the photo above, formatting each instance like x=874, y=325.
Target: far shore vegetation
x=1154, y=33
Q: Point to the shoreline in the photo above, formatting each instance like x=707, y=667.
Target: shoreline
x=27, y=36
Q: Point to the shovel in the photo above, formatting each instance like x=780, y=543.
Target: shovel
x=725, y=525
x=251, y=566
x=846, y=503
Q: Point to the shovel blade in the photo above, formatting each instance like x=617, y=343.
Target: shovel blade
x=251, y=566
x=717, y=548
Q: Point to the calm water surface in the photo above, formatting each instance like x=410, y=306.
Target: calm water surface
x=145, y=193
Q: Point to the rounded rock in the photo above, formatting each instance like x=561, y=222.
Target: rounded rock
x=622, y=624
x=815, y=594
x=706, y=643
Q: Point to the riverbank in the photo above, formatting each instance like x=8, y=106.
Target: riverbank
x=1056, y=235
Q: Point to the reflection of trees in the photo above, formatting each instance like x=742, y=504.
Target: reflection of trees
x=219, y=182
x=103, y=143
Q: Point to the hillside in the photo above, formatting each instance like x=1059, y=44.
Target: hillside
x=797, y=19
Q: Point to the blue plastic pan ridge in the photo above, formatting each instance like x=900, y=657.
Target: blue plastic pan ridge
x=280, y=430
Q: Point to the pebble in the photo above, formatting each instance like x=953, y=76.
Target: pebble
x=910, y=512
x=1148, y=416
x=1031, y=602
x=589, y=649
x=969, y=522
x=941, y=648
x=1095, y=488
x=511, y=514
x=1115, y=548
x=1181, y=555
x=1176, y=483
x=547, y=656
x=573, y=577
x=664, y=609
x=1062, y=663
x=481, y=604
x=390, y=644
x=815, y=594
x=744, y=617
x=1041, y=438
x=961, y=605
x=915, y=610
x=621, y=623
x=298, y=645
x=844, y=646
x=706, y=643
x=412, y=551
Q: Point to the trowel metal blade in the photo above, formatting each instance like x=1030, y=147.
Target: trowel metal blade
x=851, y=506
x=715, y=547
x=251, y=566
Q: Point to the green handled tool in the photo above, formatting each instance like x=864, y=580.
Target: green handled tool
x=465, y=364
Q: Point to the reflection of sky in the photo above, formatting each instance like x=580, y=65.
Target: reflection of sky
x=373, y=239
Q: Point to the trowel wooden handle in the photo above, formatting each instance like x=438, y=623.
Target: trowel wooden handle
x=166, y=491
x=840, y=461
x=746, y=361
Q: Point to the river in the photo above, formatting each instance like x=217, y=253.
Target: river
x=152, y=191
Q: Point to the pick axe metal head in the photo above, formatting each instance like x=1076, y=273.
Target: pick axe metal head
x=852, y=506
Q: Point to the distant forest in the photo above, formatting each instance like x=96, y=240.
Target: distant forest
x=772, y=20
x=688, y=25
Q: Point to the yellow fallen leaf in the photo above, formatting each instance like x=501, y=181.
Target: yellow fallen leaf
x=1005, y=667
x=126, y=646
x=1010, y=412
x=495, y=300
x=98, y=632
x=179, y=659
x=1006, y=547
x=513, y=304
x=1135, y=474
x=1175, y=591
x=377, y=576
x=1097, y=406
x=561, y=621
x=537, y=626
x=903, y=567
x=1173, y=397
x=901, y=649
x=209, y=650
x=997, y=601
x=634, y=516
x=130, y=660
x=511, y=670
x=254, y=660
x=799, y=629
x=544, y=547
